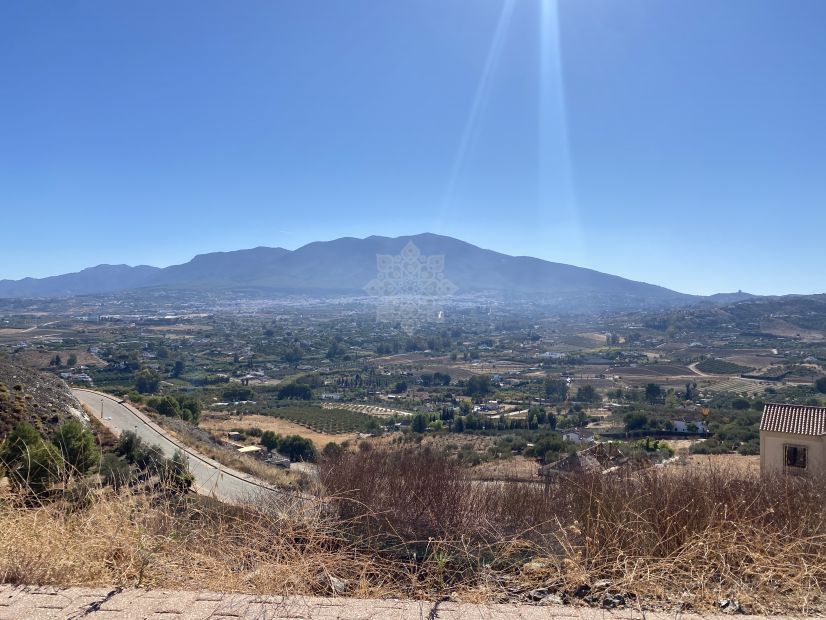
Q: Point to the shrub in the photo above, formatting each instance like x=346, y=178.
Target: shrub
x=114, y=471
x=297, y=448
x=237, y=394
x=77, y=445
x=30, y=463
x=269, y=440
x=709, y=446
x=478, y=385
x=749, y=448
x=190, y=408
x=167, y=406
x=419, y=423
x=295, y=391
x=332, y=449
x=147, y=381
x=129, y=445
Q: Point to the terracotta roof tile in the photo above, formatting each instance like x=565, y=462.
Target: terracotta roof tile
x=795, y=419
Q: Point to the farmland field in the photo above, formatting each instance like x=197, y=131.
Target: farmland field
x=740, y=386
x=721, y=367
x=329, y=421
x=221, y=423
x=653, y=370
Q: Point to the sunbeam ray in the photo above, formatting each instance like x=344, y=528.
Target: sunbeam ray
x=480, y=99
x=557, y=204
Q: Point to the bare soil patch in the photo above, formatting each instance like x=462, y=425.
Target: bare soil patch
x=515, y=468
x=222, y=422
x=41, y=358
x=734, y=462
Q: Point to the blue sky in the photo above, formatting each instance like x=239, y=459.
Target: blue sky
x=681, y=143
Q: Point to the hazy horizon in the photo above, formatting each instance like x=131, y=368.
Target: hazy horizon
x=364, y=237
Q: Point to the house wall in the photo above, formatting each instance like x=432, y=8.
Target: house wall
x=772, y=453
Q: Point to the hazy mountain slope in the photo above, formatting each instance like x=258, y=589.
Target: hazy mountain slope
x=100, y=279
x=346, y=265
x=349, y=264
x=220, y=268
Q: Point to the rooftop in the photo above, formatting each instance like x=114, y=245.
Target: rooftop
x=794, y=419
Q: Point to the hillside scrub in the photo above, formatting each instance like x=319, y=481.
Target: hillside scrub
x=412, y=523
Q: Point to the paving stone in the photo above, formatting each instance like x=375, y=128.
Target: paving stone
x=52, y=603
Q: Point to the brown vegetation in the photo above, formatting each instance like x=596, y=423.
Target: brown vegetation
x=414, y=523
x=689, y=537
x=223, y=422
x=206, y=445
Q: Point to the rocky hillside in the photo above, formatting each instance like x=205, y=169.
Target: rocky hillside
x=39, y=398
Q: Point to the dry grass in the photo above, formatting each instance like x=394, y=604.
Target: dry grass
x=693, y=536
x=40, y=358
x=413, y=523
x=202, y=443
x=223, y=422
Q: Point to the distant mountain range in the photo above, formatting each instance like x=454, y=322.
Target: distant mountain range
x=344, y=266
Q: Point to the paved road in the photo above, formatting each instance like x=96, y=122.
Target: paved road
x=693, y=368
x=211, y=478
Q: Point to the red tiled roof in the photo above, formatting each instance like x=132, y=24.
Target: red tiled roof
x=795, y=419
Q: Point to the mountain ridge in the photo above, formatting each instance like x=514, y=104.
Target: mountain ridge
x=345, y=265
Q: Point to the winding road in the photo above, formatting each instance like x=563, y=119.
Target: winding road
x=211, y=478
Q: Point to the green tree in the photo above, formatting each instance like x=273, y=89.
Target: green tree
x=114, y=471
x=556, y=390
x=166, y=405
x=177, y=368
x=478, y=385
x=237, y=393
x=297, y=448
x=190, y=408
x=72, y=360
x=336, y=349
x=30, y=463
x=458, y=425
x=653, y=393
x=55, y=361
x=419, y=423
x=129, y=445
x=76, y=445
x=147, y=381
x=295, y=391
x=332, y=450
x=636, y=421
x=441, y=378
x=270, y=440
x=586, y=394
x=177, y=472
x=294, y=355
x=820, y=385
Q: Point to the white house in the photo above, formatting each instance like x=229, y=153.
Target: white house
x=577, y=437
x=792, y=439
x=681, y=426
